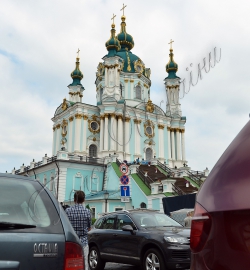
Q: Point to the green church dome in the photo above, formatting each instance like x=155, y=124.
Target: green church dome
x=171, y=66
x=113, y=44
x=76, y=74
x=126, y=40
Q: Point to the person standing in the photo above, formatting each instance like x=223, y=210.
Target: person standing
x=80, y=218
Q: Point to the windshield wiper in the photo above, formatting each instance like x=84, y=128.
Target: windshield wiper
x=9, y=225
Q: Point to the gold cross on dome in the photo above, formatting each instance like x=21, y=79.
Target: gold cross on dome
x=123, y=9
x=78, y=53
x=113, y=18
x=171, y=41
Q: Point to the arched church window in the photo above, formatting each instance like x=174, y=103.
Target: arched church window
x=93, y=150
x=138, y=92
x=143, y=205
x=149, y=154
x=101, y=93
x=121, y=89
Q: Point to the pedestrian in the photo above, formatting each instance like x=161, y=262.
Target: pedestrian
x=80, y=218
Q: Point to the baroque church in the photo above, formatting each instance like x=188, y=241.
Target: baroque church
x=90, y=143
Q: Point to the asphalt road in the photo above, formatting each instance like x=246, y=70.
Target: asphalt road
x=118, y=266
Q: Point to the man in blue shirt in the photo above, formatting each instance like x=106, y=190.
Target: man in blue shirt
x=80, y=219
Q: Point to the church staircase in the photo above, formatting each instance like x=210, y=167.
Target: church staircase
x=162, y=172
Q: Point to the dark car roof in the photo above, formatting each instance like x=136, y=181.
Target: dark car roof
x=16, y=176
x=228, y=185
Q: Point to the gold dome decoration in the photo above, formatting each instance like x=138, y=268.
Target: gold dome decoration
x=94, y=124
x=150, y=106
x=64, y=104
x=64, y=127
x=100, y=69
x=149, y=129
x=139, y=66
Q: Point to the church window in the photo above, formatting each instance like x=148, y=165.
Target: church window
x=101, y=93
x=149, y=130
x=138, y=92
x=143, y=205
x=149, y=154
x=94, y=125
x=44, y=180
x=121, y=89
x=51, y=183
x=92, y=150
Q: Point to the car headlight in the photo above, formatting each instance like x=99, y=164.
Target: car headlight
x=180, y=240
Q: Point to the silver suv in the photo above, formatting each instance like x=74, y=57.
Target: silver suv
x=35, y=232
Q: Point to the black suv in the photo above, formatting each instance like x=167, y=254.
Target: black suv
x=139, y=237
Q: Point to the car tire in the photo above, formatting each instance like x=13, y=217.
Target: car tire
x=153, y=260
x=94, y=259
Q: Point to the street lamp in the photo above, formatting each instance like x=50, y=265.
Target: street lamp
x=106, y=196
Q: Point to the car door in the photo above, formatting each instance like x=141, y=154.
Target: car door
x=105, y=235
x=126, y=244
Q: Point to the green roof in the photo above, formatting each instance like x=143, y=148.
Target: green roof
x=141, y=184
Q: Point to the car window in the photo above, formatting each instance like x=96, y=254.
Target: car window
x=146, y=219
x=123, y=220
x=98, y=223
x=27, y=202
x=108, y=223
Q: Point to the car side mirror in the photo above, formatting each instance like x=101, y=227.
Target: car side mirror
x=128, y=228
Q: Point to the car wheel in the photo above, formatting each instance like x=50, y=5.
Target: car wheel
x=95, y=261
x=153, y=260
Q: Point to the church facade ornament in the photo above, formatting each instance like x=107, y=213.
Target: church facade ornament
x=64, y=105
x=149, y=129
x=150, y=106
x=94, y=124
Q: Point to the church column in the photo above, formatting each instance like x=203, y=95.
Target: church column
x=183, y=144
x=113, y=137
x=178, y=144
x=169, y=143
x=131, y=89
x=106, y=120
x=58, y=143
x=126, y=89
x=173, y=143
x=127, y=134
x=78, y=118
x=106, y=77
x=70, y=137
x=137, y=137
x=101, y=132
x=54, y=142
x=161, y=141
x=120, y=133
x=85, y=127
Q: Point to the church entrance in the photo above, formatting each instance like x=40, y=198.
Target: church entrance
x=92, y=150
x=149, y=154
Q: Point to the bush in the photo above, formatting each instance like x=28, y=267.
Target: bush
x=93, y=220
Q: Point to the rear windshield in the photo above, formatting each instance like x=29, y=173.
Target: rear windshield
x=27, y=202
x=146, y=219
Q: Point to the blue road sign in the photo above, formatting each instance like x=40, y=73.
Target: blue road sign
x=125, y=191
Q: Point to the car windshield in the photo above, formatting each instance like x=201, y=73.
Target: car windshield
x=154, y=219
x=22, y=203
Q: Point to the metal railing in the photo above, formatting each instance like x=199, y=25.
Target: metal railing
x=177, y=190
x=84, y=159
x=165, y=168
x=118, y=162
x=146, y=179
x=196, y=176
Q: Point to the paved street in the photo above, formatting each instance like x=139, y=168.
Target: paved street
x=118, y=266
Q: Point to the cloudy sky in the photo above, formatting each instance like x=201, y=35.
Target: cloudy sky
x=38, y=44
